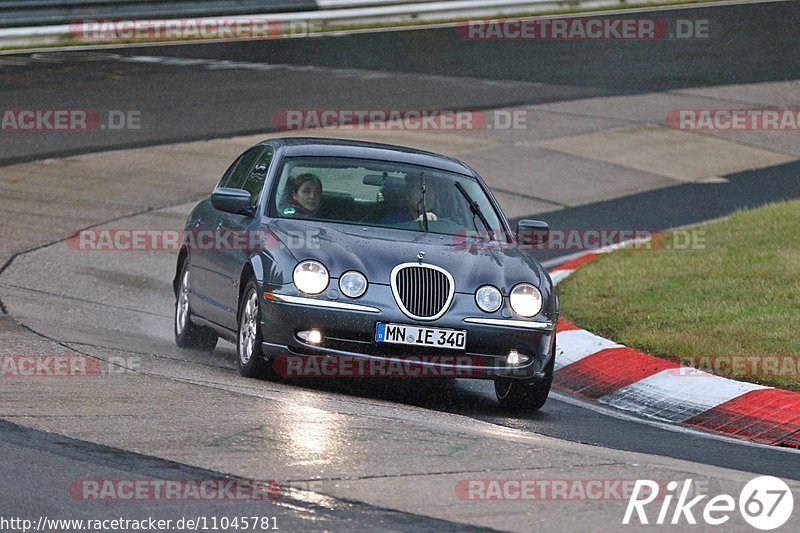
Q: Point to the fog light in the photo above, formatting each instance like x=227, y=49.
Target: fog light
x=313, y=336
x=514, y=358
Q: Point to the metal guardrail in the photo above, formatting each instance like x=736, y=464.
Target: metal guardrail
x=17, y=13
x=330, y=14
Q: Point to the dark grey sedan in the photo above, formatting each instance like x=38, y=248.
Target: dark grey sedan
x=353, y=258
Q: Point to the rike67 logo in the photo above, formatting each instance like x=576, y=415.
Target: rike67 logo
x=765, y=503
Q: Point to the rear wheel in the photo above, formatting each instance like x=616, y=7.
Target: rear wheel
x=252, y=363
x=187, y=333
x=525, y=395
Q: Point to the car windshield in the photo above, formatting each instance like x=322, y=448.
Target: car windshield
x=381, y=193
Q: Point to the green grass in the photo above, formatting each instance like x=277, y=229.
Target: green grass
x=738, y=296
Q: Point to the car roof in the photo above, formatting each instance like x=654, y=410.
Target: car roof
x=321, y=147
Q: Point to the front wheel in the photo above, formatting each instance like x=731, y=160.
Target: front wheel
x=522, y=395
x=252, y=363
x=187, y=333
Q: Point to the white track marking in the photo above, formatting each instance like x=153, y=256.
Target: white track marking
x=675, y=395
x=574, y=345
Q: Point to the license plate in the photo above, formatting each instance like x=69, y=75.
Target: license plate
x=453, y=339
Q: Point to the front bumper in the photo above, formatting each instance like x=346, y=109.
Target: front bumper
x=348, y=327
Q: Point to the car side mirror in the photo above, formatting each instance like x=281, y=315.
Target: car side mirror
x=532, y=232
x=236, y=201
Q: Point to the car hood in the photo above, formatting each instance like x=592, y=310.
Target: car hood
x=375, y=251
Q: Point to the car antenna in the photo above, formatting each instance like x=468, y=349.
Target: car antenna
x=422, y=186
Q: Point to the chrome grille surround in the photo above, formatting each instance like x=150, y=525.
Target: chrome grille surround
x=423, y=292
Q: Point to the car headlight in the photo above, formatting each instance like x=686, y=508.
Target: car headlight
x=526, y=300
x=310, y=277
x=488, y=298
x=353, y=284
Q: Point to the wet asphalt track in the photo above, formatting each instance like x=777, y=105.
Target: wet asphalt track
x=747, y=43
x=189, y=103
x=52, y=462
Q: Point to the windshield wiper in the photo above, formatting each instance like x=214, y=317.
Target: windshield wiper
x=475, y=208
x=424, y=210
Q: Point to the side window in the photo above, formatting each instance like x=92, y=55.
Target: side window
x=255, y=180
x=234, y=177
x=227, y=175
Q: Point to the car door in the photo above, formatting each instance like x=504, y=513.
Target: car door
x=200, y=223
x=199, y=237
x=226, y=260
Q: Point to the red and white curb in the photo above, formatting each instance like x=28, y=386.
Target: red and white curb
x=600, y=369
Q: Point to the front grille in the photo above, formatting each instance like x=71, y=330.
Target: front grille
x=422, y=291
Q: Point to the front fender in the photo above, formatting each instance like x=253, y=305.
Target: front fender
x=271, y=270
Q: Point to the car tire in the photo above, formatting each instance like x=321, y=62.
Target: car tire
x=525, y=395
x=249, y=357
x=187, y=333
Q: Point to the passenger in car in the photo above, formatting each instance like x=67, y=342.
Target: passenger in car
x=303, y=196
